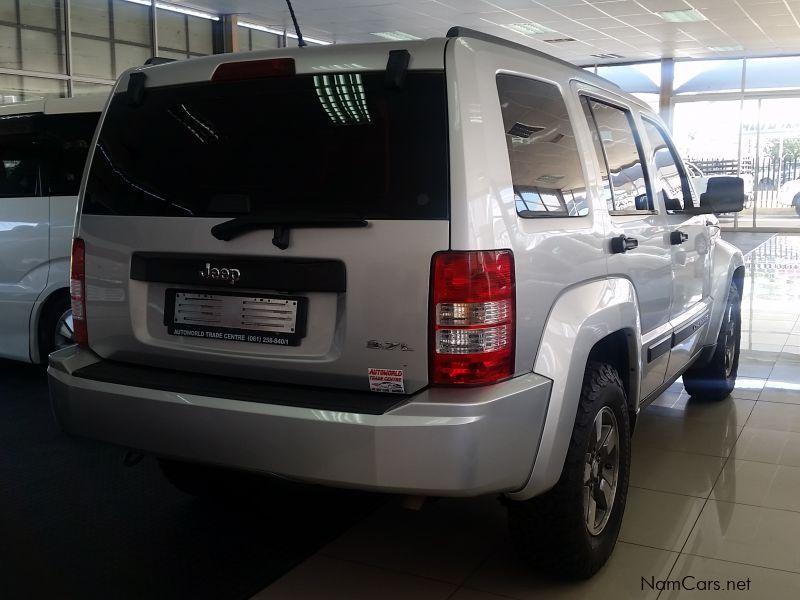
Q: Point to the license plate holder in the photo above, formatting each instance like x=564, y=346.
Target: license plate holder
x=271, y=319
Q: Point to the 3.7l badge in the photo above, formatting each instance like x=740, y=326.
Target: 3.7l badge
x=379, y=345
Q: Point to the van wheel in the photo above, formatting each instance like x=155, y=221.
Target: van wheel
x=716, y=380
x=55, y=327
x=571, y=530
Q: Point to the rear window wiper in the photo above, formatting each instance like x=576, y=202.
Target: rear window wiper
x=281, y=227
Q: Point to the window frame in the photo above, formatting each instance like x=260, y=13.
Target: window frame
x=524, y=187
x=653, y=210
x=686, y=187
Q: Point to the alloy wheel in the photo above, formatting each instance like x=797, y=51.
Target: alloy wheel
x=601, y=471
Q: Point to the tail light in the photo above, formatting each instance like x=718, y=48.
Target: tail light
x=472, y=317
x=77, y=292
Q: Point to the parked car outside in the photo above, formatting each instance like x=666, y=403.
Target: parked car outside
x=789, y=195
x=447, y=267
x=43, y=149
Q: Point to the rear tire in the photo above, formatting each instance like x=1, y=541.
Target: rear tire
x=716, y=380
x=569, y=531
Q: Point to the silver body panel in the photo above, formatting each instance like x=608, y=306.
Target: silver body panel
x=571, y=293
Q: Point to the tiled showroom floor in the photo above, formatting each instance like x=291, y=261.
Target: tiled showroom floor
x=715, y=493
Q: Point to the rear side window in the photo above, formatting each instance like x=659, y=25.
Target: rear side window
x=671, y=183
x=328, y=145
x=545, y=162
x=619, y=155
x=66, y=139
x=19, y=156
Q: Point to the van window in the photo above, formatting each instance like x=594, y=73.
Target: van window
x=671, y=183
x=619, y=155
x=545, y=162
x=19, y=156
x=338, y=145
x=66, y=139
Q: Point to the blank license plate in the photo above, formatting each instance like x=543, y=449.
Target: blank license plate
x=267, y=319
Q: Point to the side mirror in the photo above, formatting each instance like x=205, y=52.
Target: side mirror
x=722, y=195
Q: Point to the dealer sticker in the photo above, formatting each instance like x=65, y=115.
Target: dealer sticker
x=388, y=381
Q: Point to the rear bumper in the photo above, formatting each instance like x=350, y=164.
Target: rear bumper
x=449, y=442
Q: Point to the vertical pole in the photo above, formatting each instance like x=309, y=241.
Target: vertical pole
x=154, y=27
x=68, y=46
x=230, y=33
x=665, y=95
x=758, y=159
x=739, y=149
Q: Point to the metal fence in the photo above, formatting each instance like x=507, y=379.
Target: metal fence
x=763, y=181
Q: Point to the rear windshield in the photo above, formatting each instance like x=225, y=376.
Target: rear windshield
x=339, y=145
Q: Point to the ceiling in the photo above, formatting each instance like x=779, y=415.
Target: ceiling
x=631, y=30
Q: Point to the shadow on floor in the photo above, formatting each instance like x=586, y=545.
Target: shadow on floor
x=76, y=523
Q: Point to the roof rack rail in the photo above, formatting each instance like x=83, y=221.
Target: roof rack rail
x=458, y=31
x=159, y=60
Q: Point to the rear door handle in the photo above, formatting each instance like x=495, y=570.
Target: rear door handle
x=678, y=237
x=621, y=244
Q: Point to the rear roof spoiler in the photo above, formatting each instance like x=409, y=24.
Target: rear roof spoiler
x=466, y=32
x=159, y=60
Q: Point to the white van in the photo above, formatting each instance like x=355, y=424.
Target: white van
x=43, y=147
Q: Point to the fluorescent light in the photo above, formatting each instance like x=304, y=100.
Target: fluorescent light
x=178, y=9
x=736, y=48
x=681, y=16
x=276, y=31
x=395, y=36
x=529, y=28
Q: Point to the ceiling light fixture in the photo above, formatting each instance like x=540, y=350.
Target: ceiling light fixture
x=395, y=36
x=605, y=55
x=736, y=48
x=560, y=40
x=276, y=31
x=529, y=28
x=682, y=16
x=177, y=9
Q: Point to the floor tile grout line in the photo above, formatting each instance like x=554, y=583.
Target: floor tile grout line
x=743, y=564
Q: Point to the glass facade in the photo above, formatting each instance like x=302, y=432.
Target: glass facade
x=73, y=47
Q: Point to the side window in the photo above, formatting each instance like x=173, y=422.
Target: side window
x=19, y=156
x=67, y=138
x=545, y=162
x=619, y=155
x=671, y=183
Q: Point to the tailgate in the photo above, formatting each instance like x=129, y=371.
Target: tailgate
x=306, y=297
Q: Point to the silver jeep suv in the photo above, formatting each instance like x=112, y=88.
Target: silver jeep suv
x=448, y=267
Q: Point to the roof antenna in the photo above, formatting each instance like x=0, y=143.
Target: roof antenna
x=300, y=41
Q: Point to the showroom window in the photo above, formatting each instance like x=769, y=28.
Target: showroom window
x=109, y=37
x=546, y=168
x=32, y=35
x=253, y=39
x=184, y=36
